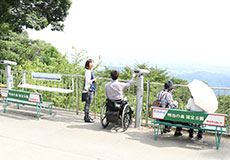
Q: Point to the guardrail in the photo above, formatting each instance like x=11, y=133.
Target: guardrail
x=72, y=101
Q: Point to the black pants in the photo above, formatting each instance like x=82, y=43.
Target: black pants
x=199, y=134
x=88, y=102
x=178, y=129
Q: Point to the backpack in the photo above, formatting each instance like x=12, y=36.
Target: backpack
x=157, y=103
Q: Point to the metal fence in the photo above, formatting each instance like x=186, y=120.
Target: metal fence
x=72, y=101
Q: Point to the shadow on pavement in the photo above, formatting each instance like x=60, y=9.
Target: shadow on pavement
x=24, y=113
x=112, y=128
x=168, y=140
x=30, y=113
x=144, y=136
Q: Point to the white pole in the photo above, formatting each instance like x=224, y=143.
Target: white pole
x=9, y=77
x=23, y=78
x=139, y=101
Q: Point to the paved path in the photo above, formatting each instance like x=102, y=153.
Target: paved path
x=65, y=136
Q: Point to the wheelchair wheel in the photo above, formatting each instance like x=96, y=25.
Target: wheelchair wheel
x=103, y=118
x=126, y=118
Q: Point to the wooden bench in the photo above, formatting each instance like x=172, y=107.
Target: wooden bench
x=200, y=121
x=27, y=98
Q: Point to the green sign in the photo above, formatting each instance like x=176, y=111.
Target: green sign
x=20, y=95
x=188, y=116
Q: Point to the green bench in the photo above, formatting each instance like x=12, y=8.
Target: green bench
x=27, y=98
x=204, y=121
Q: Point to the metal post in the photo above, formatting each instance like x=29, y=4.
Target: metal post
x=9, y=77
x=147, y=105
x=23, y=78
x=77, y=99
x=139, y=101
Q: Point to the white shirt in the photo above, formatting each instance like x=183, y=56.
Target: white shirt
x=88, y=73
x=88, y=80
x=193, y=107
x=114, y=90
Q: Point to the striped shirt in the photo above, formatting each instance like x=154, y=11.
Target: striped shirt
x=166, y=99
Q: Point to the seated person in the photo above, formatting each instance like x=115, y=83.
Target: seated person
x=193, y=107
x=114, y=90
x=166, y=101
x=165, y=96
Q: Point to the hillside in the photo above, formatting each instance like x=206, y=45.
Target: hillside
x=213, y=75
x=213, y=79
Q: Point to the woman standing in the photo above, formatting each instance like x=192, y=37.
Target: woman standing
x=90, y=87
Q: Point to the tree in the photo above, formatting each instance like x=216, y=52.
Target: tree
x=78, y=59
x=34, y=14
x=19, y=48
x=155, y=74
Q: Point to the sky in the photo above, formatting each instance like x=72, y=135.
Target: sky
x=156, y=32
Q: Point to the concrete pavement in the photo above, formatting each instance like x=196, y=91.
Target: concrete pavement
x=65, y=136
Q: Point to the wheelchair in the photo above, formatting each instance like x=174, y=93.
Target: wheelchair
x=117, y=112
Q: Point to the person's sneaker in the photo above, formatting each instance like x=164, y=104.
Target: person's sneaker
x=191, y=136
x=165, y=130
x=199, y=137
x=89, y=120
x=178, y=133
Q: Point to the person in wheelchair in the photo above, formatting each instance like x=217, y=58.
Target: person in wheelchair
x=115, y=102
x=114, y=90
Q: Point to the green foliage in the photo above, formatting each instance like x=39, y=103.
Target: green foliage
x=78, y=59
x=19, y=14
x=179, y=81
x=4, y=28
x=156, y=74
x=49, y=55
x=224, y=104
x=19, y=48
x=36, y=55
x=104, y=73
